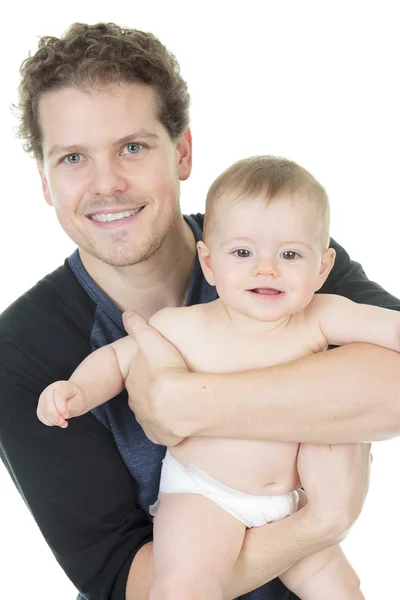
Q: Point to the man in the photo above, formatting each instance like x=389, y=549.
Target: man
x=105, y=113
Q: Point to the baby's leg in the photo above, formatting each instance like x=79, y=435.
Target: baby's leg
x=196, y=544
x=326, y=575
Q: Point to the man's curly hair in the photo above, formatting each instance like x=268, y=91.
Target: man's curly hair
x=94, y=56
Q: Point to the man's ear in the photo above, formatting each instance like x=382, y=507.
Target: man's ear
x=327, y=262
x=205, y=261
x=184, y=148
x=45, y=185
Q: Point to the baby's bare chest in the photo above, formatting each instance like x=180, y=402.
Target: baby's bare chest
x=217, y=349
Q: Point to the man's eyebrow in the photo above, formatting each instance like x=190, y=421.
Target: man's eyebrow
x=142, y=133
x=56, y=150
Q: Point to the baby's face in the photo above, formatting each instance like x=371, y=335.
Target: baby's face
x=266, y=259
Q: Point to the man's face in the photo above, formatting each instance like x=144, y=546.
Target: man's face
x=111, y=170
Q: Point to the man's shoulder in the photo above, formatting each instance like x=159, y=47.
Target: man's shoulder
x=49, y=324
x=58, y=294
x=348, y=279
x=198, y=218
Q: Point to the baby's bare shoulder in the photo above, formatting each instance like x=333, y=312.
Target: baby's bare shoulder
x=180, y=323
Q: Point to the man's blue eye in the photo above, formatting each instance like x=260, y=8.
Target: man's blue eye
x=73, y=159
x=133, y=148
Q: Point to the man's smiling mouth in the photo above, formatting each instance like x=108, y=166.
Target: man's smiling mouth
x=115, y=216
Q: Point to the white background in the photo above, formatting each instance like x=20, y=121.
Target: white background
x=313, y=81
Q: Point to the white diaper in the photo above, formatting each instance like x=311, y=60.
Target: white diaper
x=252, y=511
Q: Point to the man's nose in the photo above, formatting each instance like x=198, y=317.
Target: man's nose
x=265, y=267
x=107, y=179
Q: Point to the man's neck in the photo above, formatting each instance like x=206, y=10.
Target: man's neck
x=160, y=281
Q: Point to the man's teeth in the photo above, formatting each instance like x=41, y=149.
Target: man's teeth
x=107, y=217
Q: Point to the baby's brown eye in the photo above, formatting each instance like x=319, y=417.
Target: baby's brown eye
x=242, y=253
x=289, y=255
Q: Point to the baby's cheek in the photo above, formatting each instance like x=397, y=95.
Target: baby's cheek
x=304, y=283
x=230, y=280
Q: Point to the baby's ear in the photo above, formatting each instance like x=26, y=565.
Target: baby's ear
x=327, y=262
x=205, y=261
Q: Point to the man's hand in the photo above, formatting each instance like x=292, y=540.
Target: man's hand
x=156, y=361
x=336, y=481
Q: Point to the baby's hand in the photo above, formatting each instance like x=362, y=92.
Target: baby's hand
x=56, y=403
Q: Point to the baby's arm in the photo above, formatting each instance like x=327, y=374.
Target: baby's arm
x=340, y=321
x=100, y=377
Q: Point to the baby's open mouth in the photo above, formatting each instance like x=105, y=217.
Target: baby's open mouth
x=266, y=291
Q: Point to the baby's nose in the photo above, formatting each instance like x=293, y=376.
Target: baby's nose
x=265, y=267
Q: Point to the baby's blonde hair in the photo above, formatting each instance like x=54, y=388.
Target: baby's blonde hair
x=271, y=177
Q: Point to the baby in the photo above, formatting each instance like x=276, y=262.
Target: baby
x=266, y=249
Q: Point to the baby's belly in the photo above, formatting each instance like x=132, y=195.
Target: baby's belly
x=254, y=467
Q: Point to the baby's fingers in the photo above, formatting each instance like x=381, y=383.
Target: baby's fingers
x=52, y=418
x=62, y=393
x=52, y=407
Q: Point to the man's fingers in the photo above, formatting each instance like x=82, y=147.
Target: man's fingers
x=152, y=343
x=134, y=324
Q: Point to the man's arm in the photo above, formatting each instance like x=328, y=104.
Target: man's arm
x=366, y=388
x=78, y=490
x=264, y=556
x=74, y=482
x=336, y=481
x=349, y=394
x=348, y=279
x=266, y=553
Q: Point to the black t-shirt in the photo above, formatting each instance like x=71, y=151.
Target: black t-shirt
x=88, y=487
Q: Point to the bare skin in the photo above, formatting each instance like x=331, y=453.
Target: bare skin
x=336, y=480
x=106, y=152
x=123, y=168
x=174, y=403
x=230, y=337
